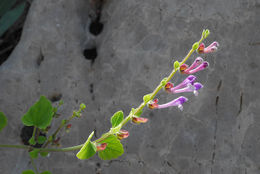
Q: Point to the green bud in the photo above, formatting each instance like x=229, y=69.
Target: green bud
x=61, y=102
x=82, y=106
x=163, y=82
x=195, y=46
x=147, y=98
x=63, y=122
x=207, y=32
x=176, y=64
x=203, y=33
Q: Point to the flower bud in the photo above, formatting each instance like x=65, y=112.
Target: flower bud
x=122, y=134
x=138, y=120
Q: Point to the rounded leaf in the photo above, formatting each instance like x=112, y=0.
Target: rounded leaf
x=41, y=139
x=40, y=114
x=113, y=149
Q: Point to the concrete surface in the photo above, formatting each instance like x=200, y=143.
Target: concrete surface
x=218, y=131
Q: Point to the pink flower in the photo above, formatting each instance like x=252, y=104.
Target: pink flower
x=122, y=134
x=139, y=120
x=101, y=147
x=176, y=102
x=196, y=66
x=211, y=48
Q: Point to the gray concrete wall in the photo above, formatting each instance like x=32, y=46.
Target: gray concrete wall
x=218, y=131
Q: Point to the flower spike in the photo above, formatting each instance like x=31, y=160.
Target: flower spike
x=211, y=48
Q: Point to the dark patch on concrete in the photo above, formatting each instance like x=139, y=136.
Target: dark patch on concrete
x=55, y=97
x=26, y=134
x=91, y=54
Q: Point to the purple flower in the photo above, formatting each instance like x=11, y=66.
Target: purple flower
x=211, y=48
x=176, y=102
x=190, y=88
x=198, y=65
x=187, y=85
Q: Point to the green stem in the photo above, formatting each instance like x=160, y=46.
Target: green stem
x=57, y=131
x=34, y=166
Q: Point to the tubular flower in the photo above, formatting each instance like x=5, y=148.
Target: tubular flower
x=211, y=48
x=176, y=102
x=101, y=147
x=196, y=66
x=122, y=134
x=190, y=88
x=139, y=120
x=169, y=87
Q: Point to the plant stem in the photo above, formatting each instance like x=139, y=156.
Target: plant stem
x=57, y=130
x=34, y=166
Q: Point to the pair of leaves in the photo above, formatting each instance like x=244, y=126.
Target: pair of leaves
x=3, y=120
x=10, y=17
x=40, y=140
x=113, y=149
x=34, y=153
x=32, y=172
x=40, y=114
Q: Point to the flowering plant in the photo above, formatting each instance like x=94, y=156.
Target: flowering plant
x=108, y=146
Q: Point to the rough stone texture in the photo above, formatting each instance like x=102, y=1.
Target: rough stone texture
x=218, y=131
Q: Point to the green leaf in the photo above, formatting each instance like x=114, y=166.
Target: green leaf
x=88, y=149
x=176, y=64
x=5, y=5
x=3, y=120
x=32, y=141
x=138, y=114
x=41, y=139
x=195, y=46
x=9, y=18
x=40, y=114
x=147, y=98
x=117, y=118
x=44, y=154
x=28, y=172
x=113, y=150
x=46, y=172
x=34, y=153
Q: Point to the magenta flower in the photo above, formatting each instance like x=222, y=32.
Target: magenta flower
x=176, y=102
x=196, y=66
x=211, y=48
